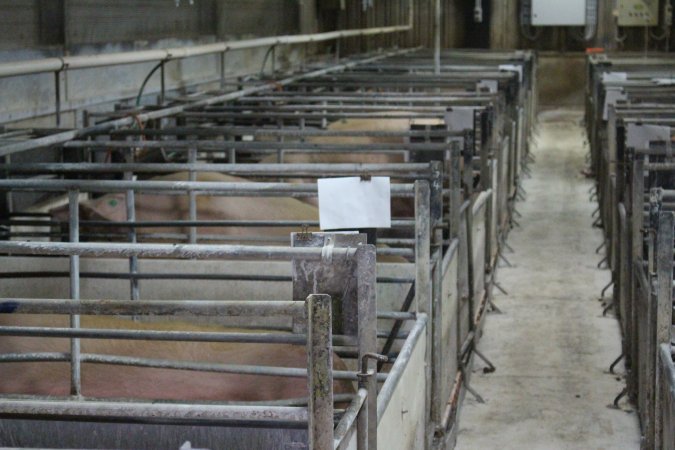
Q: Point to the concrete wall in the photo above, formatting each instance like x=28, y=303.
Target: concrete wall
x=34, y=29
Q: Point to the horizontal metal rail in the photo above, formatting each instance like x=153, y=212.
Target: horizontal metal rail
x=232, y=308
x=72, y=409
x=400, y=171
x=180, y=187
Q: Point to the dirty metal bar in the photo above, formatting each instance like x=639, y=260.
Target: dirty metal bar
x=319, y=371
x=366, y=268
x=166, y=250
x=269, y=371
x=234, y=308
x=75, y=367
x=175, y=276
x=180, y=187
x=144, y=411
x=131, y=217
x=664, y=312
x=401, y=171
x=423, y=280
x=192, y=196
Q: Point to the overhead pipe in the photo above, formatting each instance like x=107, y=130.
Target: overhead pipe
x=58, y=64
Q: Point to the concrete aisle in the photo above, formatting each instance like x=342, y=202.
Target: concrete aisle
x=552, y=348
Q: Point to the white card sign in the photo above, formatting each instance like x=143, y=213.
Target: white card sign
x=639, y=136
x=349, y=203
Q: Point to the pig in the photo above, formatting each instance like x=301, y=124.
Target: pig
x=112, y=207
x=106, y=381
x=400, y=207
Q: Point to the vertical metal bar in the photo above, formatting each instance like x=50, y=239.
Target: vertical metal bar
x=423, y=295
x=274, y=59
x=362, y=427
x=57, y=97
x=222, y=71
x=75, y=367
x=9, y=196
x=162, y=93
x=320, y=371
x=637, y=200
x=437, y=36
x=131, y=217
x=664, y=312
x=337, y=50
x=192, y=196
x=367, y=327
x=455, y=185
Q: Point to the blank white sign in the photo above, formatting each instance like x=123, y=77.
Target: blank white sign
x=349, y=203
x=558, y=12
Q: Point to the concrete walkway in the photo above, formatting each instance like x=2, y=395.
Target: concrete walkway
x=552, y=347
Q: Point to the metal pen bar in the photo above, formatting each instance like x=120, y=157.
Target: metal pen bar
x=320, y=371
x=144, y=411
x=152, y=335
x=167, y=250
x=220, y=308
x=399, y=171
x=176, y=276
x=270, y=371
x=75, y=367
x=179, y=187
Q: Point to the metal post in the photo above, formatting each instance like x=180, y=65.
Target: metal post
x=192, y=197
x=423, y=297
x=162, y=93
x=362, y=428
x=222, y=70
x=131, y=217
x=57, y=95
x=367, y=328
x=75, y=373
x=320, y=371
x=664, y=312
x=637, y=203
x=274, y=58
x=437, y=36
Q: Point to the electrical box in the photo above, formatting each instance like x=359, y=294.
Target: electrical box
x=557, y=13
x=638, y=13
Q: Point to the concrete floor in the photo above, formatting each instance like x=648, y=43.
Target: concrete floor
x=552, y=347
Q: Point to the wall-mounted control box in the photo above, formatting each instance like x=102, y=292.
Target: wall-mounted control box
x=558, y=13
x=638, y=13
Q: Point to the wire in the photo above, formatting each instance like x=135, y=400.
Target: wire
x=152, y=72
x=267, y=54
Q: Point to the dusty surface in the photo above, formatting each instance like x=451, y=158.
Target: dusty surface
x=552, y=347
